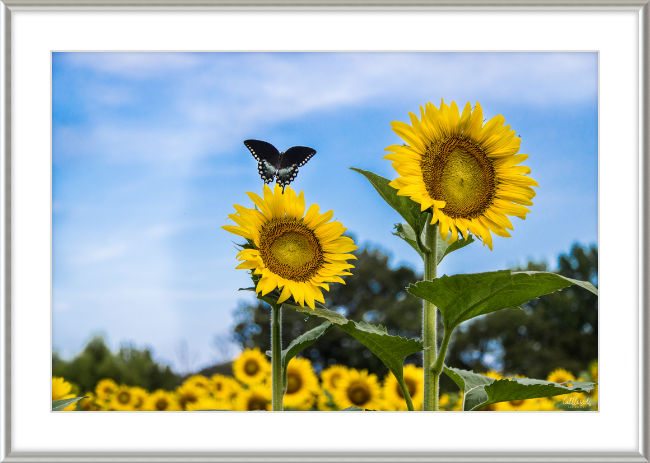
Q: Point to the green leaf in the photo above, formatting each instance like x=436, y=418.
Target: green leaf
x=299, y=344
x=445, y=249
x=407, y=208
x=392, y=350
x=463, y=297
x=480, y=391
x=352, y=409
x=58, y=405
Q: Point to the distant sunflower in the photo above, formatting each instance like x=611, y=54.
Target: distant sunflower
x=199, y=382
x=187, y=394
x=105, y=389
x=560, y=375
x=123, y=398
x=298, y=255
x=221, y=386
x=254, y=398
x=139, y=398
x=333, y=376
x=302, y=385
x=466, y=171
x=393, y=395
x=359, y=389
x=251, y=367
x=162, y=401
x=61, y=390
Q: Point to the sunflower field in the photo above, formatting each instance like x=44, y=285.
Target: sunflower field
x=336, y=388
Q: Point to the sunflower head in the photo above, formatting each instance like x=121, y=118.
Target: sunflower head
x=123, y=399
x=299, y=253
x=254, y=398
x=105, y=389
x=466, y=172
x=251, y=367
x=222, y=387
x=162, y=401
x=207, y=402
x=199, y=382
x=302, y=385
x=61, y=389
x=333, y=376
x=560, y=375
x=359, y=389
x=187, y=394
x=139, y=398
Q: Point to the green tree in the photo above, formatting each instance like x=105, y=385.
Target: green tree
x=374, y=293
x=555, y=331
x=129, y=366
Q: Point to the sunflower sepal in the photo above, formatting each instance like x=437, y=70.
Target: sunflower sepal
x=480, y=391
x=444, y=248
x=58, y=405
x=406, y=207
x=465, y=296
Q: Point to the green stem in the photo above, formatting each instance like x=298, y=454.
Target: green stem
x=440, y=362
x=277, y=386
x=407, y=396
x=429, y=315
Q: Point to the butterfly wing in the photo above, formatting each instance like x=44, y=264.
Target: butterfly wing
x=268, y=158
x=291, y=159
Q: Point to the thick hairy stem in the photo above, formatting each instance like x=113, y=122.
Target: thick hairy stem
x=277, y=386
x=429, y=315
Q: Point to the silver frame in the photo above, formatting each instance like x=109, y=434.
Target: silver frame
x=642, y=7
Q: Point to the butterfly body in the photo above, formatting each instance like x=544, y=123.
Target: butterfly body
x=281, y=165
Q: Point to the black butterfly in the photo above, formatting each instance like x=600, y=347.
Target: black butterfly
x=281, y=165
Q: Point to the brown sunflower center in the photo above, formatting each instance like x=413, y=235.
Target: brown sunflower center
x=256, y=403
x=290, y=249
x=359, y=393
x=123, y=397
x=335, y=378
x=251, y=367
x=294, y=382
x=516, y=403
x=161, y=404
x=410, y=385
x=457, y=171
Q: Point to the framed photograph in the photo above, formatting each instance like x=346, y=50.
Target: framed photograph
x=130, y=129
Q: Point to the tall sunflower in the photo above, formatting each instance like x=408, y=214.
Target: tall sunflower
x=466, y=171
x=251, y=367
x=302, y=385
x=393, y=395
x=359, y=389
x=299, y=253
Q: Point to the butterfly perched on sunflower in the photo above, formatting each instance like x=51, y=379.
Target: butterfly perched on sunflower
x=281, y=165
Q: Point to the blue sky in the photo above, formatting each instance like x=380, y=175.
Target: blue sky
x=148, y=159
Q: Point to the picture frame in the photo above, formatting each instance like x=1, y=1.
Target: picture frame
x=27, y=258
